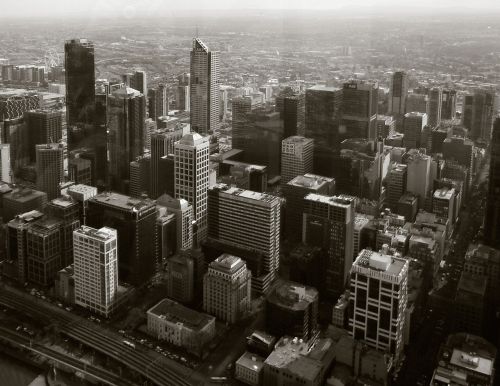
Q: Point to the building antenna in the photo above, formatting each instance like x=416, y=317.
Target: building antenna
x=196, y=35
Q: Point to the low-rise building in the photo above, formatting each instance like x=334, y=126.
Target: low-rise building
x=249, y=369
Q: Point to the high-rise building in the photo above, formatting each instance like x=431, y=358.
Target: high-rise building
x=157, y=102
x=138, y=81
x=43, y=126
x=126, y=117
x=183, y=218
x=191, y=176
x=443, y=204
x=379, y=295
x=240, y=107
x=294, y=110
x=162, y=144
x=249, y=221
x=396, y=185
x=448, y=106
x=329, y=224
x=80, y=82
x=204, y=88
x=292, y=310
x=435, y=105
x=359, y=110
x=492, y=217
x=417, y=103
x=477, y=114
x=296, y=157
x=96, y=269
x=226, y=288
x=134, y=221
x=22, y=200
x=65, y=209
x=398, y=93
x=80, y=171
x=413, y=125
x=5, y=164
x=180, y=278
x=82, y=194
x=44, y=251
x=49, y=168
x=418, y=174
x=294, y=192
x=323, y=113
x=139, y=176
x=437, y=137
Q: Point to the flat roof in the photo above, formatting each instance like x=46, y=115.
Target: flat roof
x=248, y=194
x=375, y=261
x=340, y=201
x=122, y=201
x=251, y=361
x=292, y=295
x=177, y=313
x=320, y=87
x=474, y=363
x=227, y=263
x=102, y=234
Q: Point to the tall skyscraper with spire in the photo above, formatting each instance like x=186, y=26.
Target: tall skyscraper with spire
x=80, y=82
x=204, y=88
x=492, y=219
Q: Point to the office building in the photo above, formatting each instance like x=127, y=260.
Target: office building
x=22, y=200
x=49, y=169
x=226, y=289
x=192, y=176
x=80, y=83
x=477, y=114
x=292, y=310
x=249, y=369
x=82, y=194
x=492, y=215
x=139, y=176
x=138, y=81
x=184, y=217
x=386, y=126
x=418, y=173
x=180, y=278
x=42, y=126
x=470, y=304
x=44, y=251
x=134, y=221
x=443, y=204
x=240, y=107
x=80, y=171
x=126, y=117
x=162, y=144
x=172, y=322
x=249, y=221
x=64, y=286
x=396, y=185
x=182, y=100
x=96, y=269
x=65, y=209
x=359, y=110
x=16, y=241
x=398, y=93
x=294, y=109
x=323, y=114
x=435, y=105
x=413, y=125
x=204, y=88
x=329, y=224
x=417, y=103
x=437, y=137
x=296, y=157
x=158, y=102
x=379, y=295
x=5, y=163
x=294, y=192
x=448, y=106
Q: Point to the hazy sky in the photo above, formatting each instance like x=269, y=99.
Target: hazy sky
x=132, y=8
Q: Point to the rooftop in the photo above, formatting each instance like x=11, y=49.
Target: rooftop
x=339, y=201
x=375, y=261
x=248, y=194
x=121, y=201
x=444, y=193
x=250, y=361
x=227, y=263
x=292, y=295
x=103, y=234
x=310, y=181
x=176, y=313
x=323, y=88
x=472, y=362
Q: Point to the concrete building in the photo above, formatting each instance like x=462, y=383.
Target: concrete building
x=448, y=106
x=443, y=204
x=396, y=185
x=296, y=157
x=43, y=126
x=378, y=297
x=158, y=101
x=398, y=93
x=96, y=269
x=204, y=88
x=329, y=224
x=80, y=171
x=5, y=163
x=249, y=221
x=184, y=218
x=413, y=125
x=249, y=369
x=192, y=176
x=435, y=106
x=180, y=326
x=359, y=109
x=226, y=289
x=22, y=200
x=292, y=310
x=82, y=194
x=418, y=175
x=64, y=287
x=139, y=176
x=180, y=278
x=492, y=216
x=49, y=169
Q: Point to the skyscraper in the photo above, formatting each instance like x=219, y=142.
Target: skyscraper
x=126, y=116
x=5, y=165
x=183, y=218
x=139, y=176
x=204, y=88
x=359, y=110
x=492, y=219
x=294, y=110
x=296, y=157
x=80, y=82
x=157, y=101
x=379, y=294
x=49, y=168
x=247, y=221
x=448, y=106
x=42, y=126
x=182, y=93
x=134, y=221
x=240, y=108
x=95, y=250
x=138, y=81
x=396, y=185
x=435, y=105
x=226, y=289
x=329, y=224
x=413, y=125
x=191, y=176
x=398, y=93
x=477, y=115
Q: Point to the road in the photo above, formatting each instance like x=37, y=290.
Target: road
x=153, y=366
x=94, y=372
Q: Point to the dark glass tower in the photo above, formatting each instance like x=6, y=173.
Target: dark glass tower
x=80, y=82
x=492, y=219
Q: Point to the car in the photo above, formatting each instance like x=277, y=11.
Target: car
x=121, y=332
x=59, y=305
x=19, y=328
